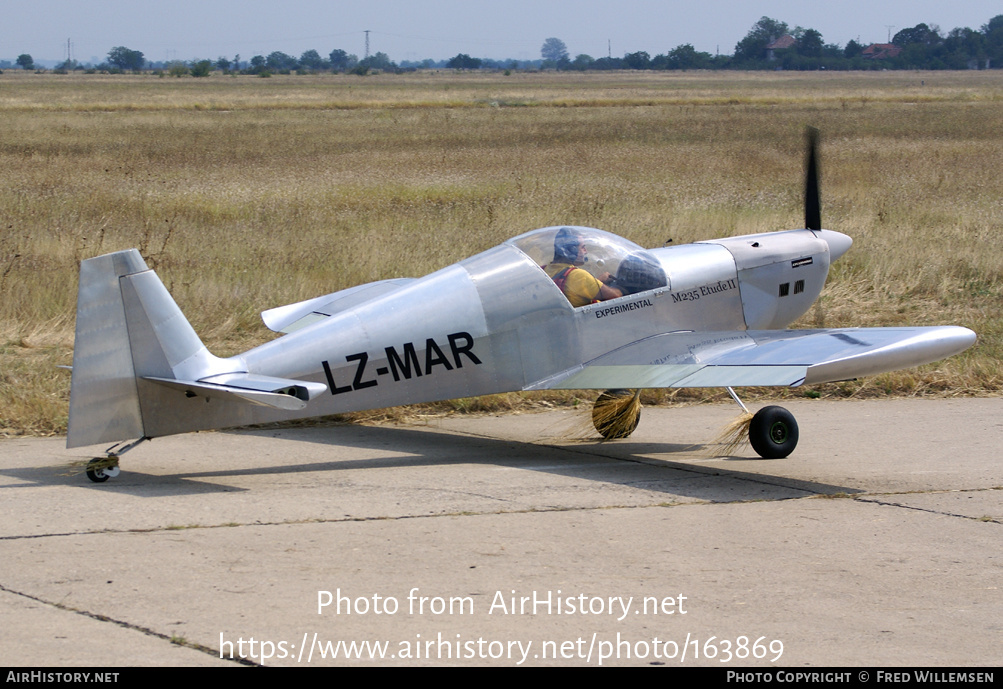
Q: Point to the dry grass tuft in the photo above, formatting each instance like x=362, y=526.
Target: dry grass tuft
x=733, y=436
x=616, y=413
x=613, y=415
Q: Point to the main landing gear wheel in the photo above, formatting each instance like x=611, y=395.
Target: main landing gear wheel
x=100, y=469
x=773, y=432
x=616, y=413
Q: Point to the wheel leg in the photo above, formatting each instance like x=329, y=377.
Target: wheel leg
x=731, y=391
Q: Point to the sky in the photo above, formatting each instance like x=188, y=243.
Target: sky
x=440, y=29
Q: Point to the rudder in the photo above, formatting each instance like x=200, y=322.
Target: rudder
x=128, y=326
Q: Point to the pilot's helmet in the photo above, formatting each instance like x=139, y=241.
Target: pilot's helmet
x=566, y=245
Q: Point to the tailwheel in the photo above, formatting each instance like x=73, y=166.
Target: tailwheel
x=773, y=432
x=100, y=469
x=616, y=413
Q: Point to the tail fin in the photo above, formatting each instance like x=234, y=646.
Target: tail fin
x=128, y=327
x=138, y=365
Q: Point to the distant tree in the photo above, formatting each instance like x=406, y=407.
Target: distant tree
x=201, y=68
x=687, y=57
x=554, y=50
x=311, y=60
x=24, y=61
x=464, y=61
x=921, y=33
x=993, y=31
x=833, y=51
x=257, y=64
x=762, y=33
x=965, y=48
x=920, y=45
x=993, y=24
x=126, y=59
x=605, y=63
x=342, y=61
x=280, y=62
x=222, y=64
x=638, y=60
x=378, y=61
x=177, y=68
x=582, y=62
x=852, y=49
x=810, y=43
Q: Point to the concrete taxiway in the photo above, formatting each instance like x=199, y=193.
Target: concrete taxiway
x=475, y=540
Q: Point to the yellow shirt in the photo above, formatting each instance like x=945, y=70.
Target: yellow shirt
x=580, y=287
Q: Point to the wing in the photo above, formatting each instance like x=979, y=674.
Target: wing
x=764, y=357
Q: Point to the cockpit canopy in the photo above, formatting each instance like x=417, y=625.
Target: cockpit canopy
x=634, y=269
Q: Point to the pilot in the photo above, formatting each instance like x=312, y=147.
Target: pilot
x=578, y=285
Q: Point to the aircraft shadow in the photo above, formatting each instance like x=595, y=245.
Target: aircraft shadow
x=622, y=462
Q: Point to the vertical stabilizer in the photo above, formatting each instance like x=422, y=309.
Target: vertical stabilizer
x=128, y=327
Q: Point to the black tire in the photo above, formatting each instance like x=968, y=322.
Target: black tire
x=773, y=432
x=608, y=427
x=96, y=473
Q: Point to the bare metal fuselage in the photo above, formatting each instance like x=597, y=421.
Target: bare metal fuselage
x=492, y=323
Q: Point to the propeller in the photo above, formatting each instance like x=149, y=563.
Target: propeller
x=838, y=242
x=812, y=200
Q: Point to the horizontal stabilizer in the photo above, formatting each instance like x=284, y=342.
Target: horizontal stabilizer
x=279, y=393
x=292, y=317
x=764, y=357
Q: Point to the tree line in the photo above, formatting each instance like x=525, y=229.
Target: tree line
x=769, y=44
x=772, y=44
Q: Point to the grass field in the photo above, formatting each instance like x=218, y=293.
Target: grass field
x=247, y=193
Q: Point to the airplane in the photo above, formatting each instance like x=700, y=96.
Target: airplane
x=709, y=314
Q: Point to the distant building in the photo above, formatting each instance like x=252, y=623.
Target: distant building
x=880, y=51
x=782, y=43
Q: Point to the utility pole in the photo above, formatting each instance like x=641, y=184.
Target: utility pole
x=367, y=44
x=889, y=27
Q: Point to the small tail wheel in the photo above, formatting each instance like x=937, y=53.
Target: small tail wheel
x=100, y=469
x=773, y=432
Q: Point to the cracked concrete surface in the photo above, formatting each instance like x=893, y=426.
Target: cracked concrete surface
x=875, y=543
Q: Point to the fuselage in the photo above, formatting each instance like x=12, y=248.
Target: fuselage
x=495, y=322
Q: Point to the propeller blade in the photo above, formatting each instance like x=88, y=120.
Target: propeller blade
x=812, y=200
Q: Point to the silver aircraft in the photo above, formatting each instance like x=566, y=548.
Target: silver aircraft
x=708, y=314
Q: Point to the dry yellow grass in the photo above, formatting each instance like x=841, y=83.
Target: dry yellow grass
x=246, y=193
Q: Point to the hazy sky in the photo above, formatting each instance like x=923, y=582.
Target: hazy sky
x=438, y=29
